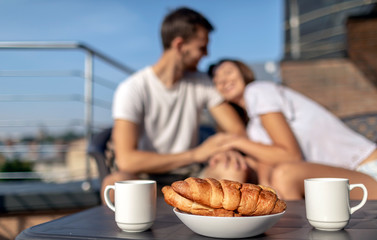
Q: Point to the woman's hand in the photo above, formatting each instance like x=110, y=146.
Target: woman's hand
x=236, y=143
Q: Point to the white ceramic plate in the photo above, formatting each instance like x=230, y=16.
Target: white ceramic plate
x=228, y=227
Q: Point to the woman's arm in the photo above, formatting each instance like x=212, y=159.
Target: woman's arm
x=227, y=119
x=284, y=148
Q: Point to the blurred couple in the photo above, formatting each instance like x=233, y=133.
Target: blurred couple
x=267, y=133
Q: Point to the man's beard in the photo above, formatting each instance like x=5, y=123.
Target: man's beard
x=191, y=67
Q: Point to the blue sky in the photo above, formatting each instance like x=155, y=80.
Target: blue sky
x=128, y=31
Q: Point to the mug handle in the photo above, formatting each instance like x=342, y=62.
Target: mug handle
x=106, y=195
x=365, y=196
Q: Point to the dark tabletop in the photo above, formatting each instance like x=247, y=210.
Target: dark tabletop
x=99, y=223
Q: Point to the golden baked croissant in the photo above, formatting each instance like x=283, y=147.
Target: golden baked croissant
x=211, y=197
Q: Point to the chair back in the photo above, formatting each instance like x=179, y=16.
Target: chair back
x=99, y=150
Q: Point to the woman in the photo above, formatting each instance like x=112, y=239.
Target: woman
x=291, y=137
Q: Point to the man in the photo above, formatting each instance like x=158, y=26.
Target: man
x=156, y=111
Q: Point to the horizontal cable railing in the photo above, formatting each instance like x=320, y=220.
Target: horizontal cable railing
x=99, y=80
x=53, y=98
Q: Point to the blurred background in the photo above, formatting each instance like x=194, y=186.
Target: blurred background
x=60, y=62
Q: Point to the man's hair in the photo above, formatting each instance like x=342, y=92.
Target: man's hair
x=182, y=22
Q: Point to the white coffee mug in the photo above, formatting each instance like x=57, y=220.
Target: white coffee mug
x=135, y=204
x=327, y=202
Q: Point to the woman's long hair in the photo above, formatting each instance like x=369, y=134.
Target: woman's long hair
x=248, y=77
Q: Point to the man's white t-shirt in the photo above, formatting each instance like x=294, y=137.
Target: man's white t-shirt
x=168, y=117
x=323, y=138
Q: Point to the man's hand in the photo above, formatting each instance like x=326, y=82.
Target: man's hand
x=211, y=146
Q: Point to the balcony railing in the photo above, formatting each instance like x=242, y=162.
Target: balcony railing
x=18, y=68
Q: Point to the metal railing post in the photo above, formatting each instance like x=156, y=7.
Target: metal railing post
x=294, y=22
x=88, y=111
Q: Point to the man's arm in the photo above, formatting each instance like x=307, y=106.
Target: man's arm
x=130, y=159
x=228, y=119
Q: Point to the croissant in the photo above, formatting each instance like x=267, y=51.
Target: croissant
x=210, y=197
